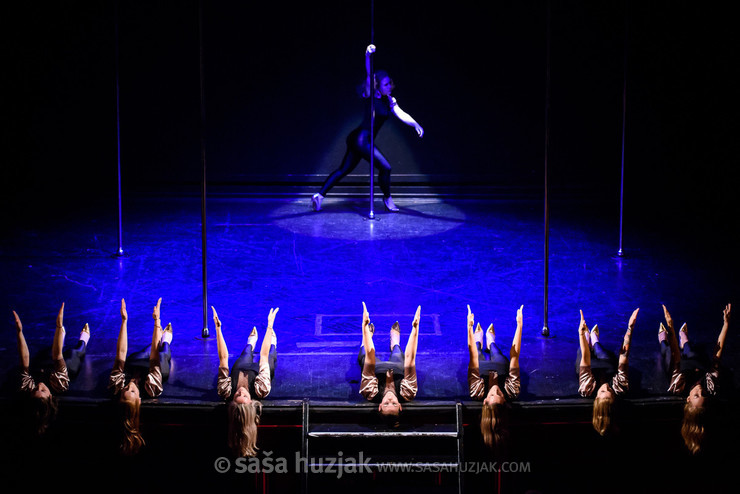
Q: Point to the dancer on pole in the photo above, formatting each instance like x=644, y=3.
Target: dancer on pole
x=358, y=141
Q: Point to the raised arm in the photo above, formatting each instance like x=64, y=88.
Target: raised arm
x=472, y=348
x=122, y=345
x=723, y=333
x=672, y=340
x=58, y=344
x=367, y=338
x=156, y=336
x=413, y=343
x=223, y=351
x=24, y=355
x=624, y=352
x=583, y=339
x=368, y=91
x=516, y=344
x=267, y=340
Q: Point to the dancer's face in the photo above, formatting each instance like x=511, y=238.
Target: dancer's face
x=695, y=398
x=42, y=392
x=605, y=392
x=389, y=405
x=130, y=393
x=386, y=86
x=494, y=397
x=242, y=396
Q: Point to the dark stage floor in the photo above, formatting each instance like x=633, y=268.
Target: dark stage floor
x=440, y=253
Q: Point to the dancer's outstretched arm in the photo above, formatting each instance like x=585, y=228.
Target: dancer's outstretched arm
x=583, y=339
x=267, y=340
x=624, y=352
x=367, y=338
x=24, y=355
x=156, y=336
x=516, y=344
x=122, y=345
x=723, y=333
x=413, y=343
x=472, y=348
x=223, y=351
x=58, y=344
x=672, y=340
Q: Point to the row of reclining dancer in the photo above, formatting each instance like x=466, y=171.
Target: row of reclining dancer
x=493, y=378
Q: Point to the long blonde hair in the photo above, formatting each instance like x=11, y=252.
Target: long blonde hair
x=131, y=440
x=494, y=423
x=602, y=415
x=243, y=421
x=692, y=428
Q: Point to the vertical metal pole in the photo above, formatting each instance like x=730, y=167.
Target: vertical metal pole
x=203, y=181
x=624, y=123
x=118, y=133
x=371, y=214
x=545, y=329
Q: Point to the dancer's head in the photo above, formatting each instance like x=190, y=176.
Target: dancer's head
x=494, y=423
x=243, y=417
x=130, y=408
x=697, y=397
x=41, y=409
x=495, y=396
x=383, y=83
x=389, y=405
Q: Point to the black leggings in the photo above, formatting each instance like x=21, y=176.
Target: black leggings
x=73, y=357
x=358, y=147
x=246, y=362
x=689, y=358
x=141, y=359
x=601, y=359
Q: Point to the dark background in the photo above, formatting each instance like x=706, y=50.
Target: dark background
x=280, y=79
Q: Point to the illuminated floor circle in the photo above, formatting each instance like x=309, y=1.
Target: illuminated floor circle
x=347, y=219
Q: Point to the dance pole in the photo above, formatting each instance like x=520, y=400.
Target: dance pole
x=624, y=122
x=118, y=133
x=545, y=329
x=371, y=214
x=203, y=181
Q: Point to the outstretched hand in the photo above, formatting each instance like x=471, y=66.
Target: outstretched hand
x=583, y=323
x=519, y=316
x=668, y=318
x=633, y=318
x=726, y=313
x=417, y=318
x=124, y=313
x=18, y=325
x=471, y=319
x=370, y=49
x=155, y=313
x=216, y=320
x=271, y=317
x=365, y=315
x=419, y=130
x=60, y=317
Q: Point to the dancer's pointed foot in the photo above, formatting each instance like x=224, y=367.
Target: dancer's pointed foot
x=683, y=335
x=253, y=336
x=478, y=336
x=595, y=334
x=662, y=333
x=316, y=202
x=390, y=205
x=395, y=335
x=85, y=333
x=490, y=336
x=167, y=334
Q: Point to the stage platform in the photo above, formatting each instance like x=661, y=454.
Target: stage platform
x=442, y=252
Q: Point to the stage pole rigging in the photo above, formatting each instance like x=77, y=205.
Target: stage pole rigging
x=545, y=329
x=118, y=132
x=371, y=214
x=205, y=332
x=620, y=252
